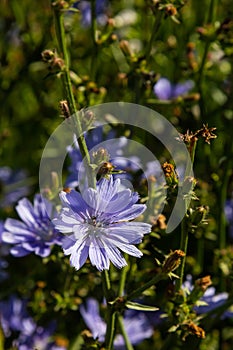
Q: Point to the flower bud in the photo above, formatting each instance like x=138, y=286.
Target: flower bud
x=170, y=174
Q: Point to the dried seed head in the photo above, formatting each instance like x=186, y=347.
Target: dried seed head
x=196, y=330
x=172, y=261
x=203, y=283
x=170, y=10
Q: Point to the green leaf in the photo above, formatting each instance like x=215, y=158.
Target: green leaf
x=136, y=306
x=173, y=328
x=201, y=303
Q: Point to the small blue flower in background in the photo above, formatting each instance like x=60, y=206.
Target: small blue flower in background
x=4, y=250
x=98, y=227
x=15, y=318
x=210, y=297
x=213, y=301
x=137, y=326
x=38, y=337
x=35, y=233
x=229, y=215
x=165, y=90
x=13, y=315
x=12, y=186
x=100, y=11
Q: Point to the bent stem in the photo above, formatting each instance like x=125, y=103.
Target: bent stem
x=68, y=92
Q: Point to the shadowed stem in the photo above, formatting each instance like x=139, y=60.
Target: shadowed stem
x=68, y=92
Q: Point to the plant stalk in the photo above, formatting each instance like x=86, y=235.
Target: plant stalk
x=68, y=92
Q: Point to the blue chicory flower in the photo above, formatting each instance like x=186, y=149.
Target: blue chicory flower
x=229, y=215
x=12, y=186
x=137, y=326
x=100, y=12
x=165, y=90
x=35, y=233
x=97, y=224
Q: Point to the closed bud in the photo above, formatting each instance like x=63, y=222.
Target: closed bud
x=198, y=215
x=170, y=174
x=65, y=109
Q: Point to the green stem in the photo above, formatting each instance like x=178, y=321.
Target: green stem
x=123, y=276
x=110, y=332
x=160, y=276
x=210, y=19
x=154, y=33
x=183, y=247
x=1, y=339
x=184, y=228
x=111, y=313
x=223, y=196
x=211, y=13
x=93, y=35
x=123, y=332
x=222, y=218
x=68, y=92
x=106, y=285
x=201, y=69
x=200, y=251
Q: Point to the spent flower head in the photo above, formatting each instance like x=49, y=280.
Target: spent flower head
x=98, y=224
